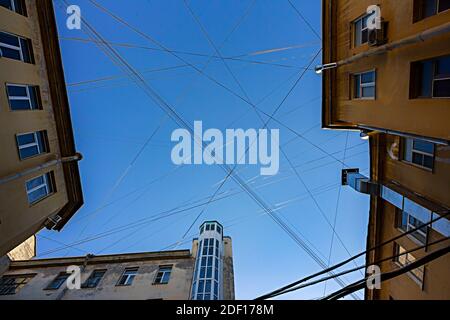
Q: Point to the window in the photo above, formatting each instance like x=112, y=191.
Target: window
x=58, y=281
x=418, y=152
x=14, y=5
x=364, y=85
x=207, y=270
x=15, y=47
x=23, y=97
x=431, y=78
x=361, y=31
x=163, y=275
x=12, y=284
x=94, y=279
x=32, y=144
x=407, y=222
x=127, y=277
x=427, y=8
x=39, y=188
x=403, y=259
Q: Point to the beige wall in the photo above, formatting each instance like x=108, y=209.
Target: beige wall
x=25, y=251
x=392, y=108
x=18, y=220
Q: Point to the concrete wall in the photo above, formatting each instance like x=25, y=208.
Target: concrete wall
x=19, y=220
x=25, y=251
x=142, y=287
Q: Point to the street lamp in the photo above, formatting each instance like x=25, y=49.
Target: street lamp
x=320, y=68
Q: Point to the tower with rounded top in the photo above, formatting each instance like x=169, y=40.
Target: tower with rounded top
x=207, y=283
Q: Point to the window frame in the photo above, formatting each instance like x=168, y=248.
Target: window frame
x=419, y=13
x=30, y=89
x=411, y=274
x=48, y=184
x=87, y=284
x=22, y=12
x=403, y=151
x=409, y=226
x=19, y=48
x=163, y=274
x=125, y=274
x=61, y=274
x=373, y=84
x=41, y=149
x=417, y=75
x=4, y=288
x=355, y=30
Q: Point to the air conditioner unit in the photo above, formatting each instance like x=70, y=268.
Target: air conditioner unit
x=378, y=37
x=51, y=222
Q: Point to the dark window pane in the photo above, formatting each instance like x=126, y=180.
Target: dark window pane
x=17, y=91
x=417, y=158
x=26, y=50
x=368, y=92
x=424, y=146
x=209, y=272
x=428, y=162
x=42, y=138
x=34, y=92
x=35, y=182
x=208, y=286
x=443, y=67
x=368, y=77
x=202, y=272
x=19, y=104
x=28, y=152
x=25, y=139
x=9, y=39
x=216, y=288
x=201, y=286
x=365, y=36
x=441, y=88
x=444, y=5
x=10, y=53
x=427, y=77
x=429, y=8
x=37, y=195
x=6, y=4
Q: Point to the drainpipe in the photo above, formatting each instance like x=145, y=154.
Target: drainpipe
x=421, y=37
x=74, y=158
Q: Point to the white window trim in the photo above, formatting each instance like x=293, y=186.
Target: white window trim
x=19, y=48
x=432, y=87
x=28, y=97
x=365, y=85
x=410, y=274
x=361, y=31
x=410, y=227
x=418, y=152
x=127, y=274
x=30, y=145
x=45, y=185
x=164, y=272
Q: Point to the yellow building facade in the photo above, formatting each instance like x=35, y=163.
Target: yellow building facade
x=393, y=84
x=39, y=178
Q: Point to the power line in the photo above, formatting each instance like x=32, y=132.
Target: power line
x=308, y=284
x=358, y=285
x=342, y=263
x=304, y=20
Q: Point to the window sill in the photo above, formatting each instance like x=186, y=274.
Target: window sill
x=31, y=205
x=412, y=277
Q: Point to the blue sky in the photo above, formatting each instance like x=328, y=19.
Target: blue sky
x=113, y=119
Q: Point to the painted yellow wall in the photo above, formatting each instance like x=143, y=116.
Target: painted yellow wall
x=392, y=108
x=19, y=220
